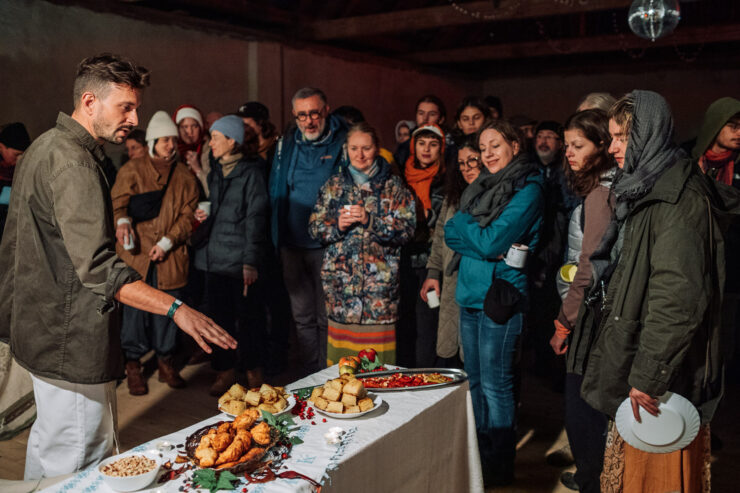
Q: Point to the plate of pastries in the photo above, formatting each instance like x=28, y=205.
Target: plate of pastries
x=344, y=398
x=237, y=445
x=238, y=399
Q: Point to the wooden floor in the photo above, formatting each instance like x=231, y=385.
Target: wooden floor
x=165, y=410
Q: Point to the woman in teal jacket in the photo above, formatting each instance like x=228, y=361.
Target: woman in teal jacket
x=502, y=207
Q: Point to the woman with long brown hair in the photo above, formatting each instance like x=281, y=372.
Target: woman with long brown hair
x=589, y=169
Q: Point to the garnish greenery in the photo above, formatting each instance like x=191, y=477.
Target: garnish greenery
x=370, y=365
x=213, y=481
x=284, y=425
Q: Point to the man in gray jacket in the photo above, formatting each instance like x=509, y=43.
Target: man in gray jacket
x=61, y=280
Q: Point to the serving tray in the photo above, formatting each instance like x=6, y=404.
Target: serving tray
x=457, y=376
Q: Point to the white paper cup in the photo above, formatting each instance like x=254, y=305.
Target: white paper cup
x=205, y=206
x=517, y=256
x=129, y=243
x=432, y=299
x=347, y=208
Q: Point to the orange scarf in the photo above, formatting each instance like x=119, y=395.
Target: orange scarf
x=420, y=180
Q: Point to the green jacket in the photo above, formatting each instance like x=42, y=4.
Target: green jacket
x=660, y=329
x=59, y=270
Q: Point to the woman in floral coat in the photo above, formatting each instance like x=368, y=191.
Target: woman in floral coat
x=363, y=215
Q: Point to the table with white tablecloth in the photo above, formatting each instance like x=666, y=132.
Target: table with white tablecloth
x=415, y=441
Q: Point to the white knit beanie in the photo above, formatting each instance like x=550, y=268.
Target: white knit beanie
x=160, y=125
x=188, y=112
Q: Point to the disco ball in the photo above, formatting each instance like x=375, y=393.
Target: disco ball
x=651, y=19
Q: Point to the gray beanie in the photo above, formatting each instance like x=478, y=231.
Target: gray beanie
x=231, y=126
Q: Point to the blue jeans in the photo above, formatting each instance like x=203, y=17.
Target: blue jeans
x=490, y=350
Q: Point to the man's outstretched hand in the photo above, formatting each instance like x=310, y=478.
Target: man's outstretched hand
x=202, y=329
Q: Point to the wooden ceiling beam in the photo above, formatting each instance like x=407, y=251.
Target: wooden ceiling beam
x=594, y=44
x=448, y=15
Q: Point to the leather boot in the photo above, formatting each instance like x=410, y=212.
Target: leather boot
x=168, y=374
x=135, y=378
x=254, y=378
x=224, y=380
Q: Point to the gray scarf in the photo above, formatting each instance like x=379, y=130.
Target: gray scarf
x=650, y=152
x=487, y=197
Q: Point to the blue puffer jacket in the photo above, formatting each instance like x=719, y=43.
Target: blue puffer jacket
x=480, y=247
x=326, y=154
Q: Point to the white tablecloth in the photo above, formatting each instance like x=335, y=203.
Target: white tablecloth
x=416, y=441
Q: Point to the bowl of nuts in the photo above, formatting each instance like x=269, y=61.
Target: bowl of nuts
x=130, y=471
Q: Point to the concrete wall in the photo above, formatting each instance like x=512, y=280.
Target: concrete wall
x=687, y=90
x=41, y=44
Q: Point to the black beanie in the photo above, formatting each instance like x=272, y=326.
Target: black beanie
x=549, y=125
x=15, y=136
x=255, y=110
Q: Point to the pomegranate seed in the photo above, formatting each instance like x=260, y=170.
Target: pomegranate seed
x=313, y=422
x=324, y=420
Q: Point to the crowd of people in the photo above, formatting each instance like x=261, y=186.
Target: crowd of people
x=599, y=245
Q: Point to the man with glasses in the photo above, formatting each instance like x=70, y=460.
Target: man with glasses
x=305, y=158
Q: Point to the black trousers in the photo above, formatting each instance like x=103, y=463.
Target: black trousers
x=586, y=429
x=142, y=331
x=243, y=318
x=417, y=328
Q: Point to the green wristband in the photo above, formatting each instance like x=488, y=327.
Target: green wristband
x=173, y=308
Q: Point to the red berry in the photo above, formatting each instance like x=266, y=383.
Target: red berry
x=285, y=456
x=324, y=420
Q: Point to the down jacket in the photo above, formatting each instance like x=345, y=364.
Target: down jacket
x=239, y=233
x=360, y=269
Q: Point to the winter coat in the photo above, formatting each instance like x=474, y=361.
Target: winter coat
x=448, y=331
x=239, y=205
x=559, y=203
x=59, y=271
x=660, y=328
x=360, y=272
x=174, y=221
x=717, y=115
x=519, y=222
x=598, y=212
x=326, y=155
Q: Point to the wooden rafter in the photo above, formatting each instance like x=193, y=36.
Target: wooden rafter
x=448, y=15
x=593, y=44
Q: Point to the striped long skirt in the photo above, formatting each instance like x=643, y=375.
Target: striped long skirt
x=349, y=339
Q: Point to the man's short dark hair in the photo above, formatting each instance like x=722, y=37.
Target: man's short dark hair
x=96, y=72
x=350, y=114
x=138, y=135
x=307, y=92
x=431, y=98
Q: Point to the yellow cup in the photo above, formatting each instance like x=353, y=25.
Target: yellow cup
x=568, y=272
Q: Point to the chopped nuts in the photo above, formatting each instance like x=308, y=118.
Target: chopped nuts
x=129, y=466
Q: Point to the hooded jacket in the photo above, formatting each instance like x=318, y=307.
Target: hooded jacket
x=659, y=328
x=717, y=115
x=323, y=156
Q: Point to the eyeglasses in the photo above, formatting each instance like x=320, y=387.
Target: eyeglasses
x=313, y=115
x=472, y=163
x=548, y=137
x=733, y=125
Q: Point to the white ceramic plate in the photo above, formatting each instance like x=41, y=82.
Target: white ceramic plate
x=291, y=404
x=377, y=401
x=673, y=429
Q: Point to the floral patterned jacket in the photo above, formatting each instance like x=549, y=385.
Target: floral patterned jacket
x=360, y=269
